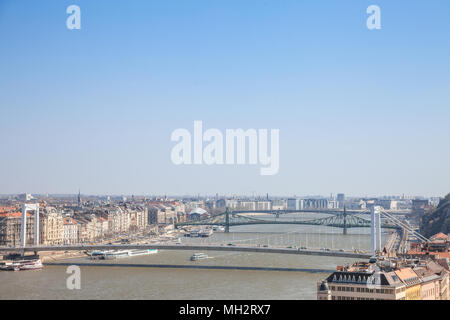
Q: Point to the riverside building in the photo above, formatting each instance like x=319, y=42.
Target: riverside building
x=387, y=279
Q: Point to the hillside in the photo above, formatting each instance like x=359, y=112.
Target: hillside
x=437, y=220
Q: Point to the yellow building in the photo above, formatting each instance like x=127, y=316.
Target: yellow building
x=412, y=282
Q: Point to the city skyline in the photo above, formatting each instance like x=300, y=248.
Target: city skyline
x=362, y=112
x=212, y=196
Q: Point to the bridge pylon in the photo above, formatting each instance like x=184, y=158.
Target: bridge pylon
x=375, y=230
x=344, y=231
x=227, y=220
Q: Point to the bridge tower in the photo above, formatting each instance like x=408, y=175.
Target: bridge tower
x=375, y=230
x=345, y=222
x=227, y=220
x=25, y=208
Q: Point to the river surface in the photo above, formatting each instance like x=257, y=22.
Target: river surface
x=123, y=281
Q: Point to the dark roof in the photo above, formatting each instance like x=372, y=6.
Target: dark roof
x=357, y=277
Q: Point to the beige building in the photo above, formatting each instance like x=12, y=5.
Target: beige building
x=430, y=288
x=343, y=285
x=392, y=279
x=138, y=219
x=103, y=226
x=70, y=231
x=51, y=227
x=10, y=228
x=119, y=221
x=161, y=214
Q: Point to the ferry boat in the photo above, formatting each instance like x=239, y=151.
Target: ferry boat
x=22, y=265
x=117, y=254
x=199, y=256
x=110, y=255
x=98, y=254
x=194, y=233
x=31, y=265
x=205, y=233
x=139, y=252
x=9, y=266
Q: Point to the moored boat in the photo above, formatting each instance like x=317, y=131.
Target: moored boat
x=31, y=265
x=205, y=233
x=98, y=254
x=138, y=252
x=110, y=255
x=22, y=265
x=199, y=256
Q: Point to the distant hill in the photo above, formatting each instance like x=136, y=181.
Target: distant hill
x=437, y=220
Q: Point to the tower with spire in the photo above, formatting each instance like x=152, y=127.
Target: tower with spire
x=79, y=198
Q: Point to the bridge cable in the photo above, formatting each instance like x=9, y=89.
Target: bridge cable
x=405, y=226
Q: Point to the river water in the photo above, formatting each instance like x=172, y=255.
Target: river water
x=123, y=281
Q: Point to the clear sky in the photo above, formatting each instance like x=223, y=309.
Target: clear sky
x=364, y=112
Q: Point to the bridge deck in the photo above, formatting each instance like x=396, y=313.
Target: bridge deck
x=235, y=248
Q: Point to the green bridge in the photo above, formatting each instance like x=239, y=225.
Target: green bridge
x=341, y=219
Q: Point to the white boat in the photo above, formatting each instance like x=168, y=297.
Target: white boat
x=199, y=256
x=22, y=265
x=205, y=233
x=139, y=252
x=31, y=265
x=98, y=254
x=115, y=254
x=9, y=266
x=194, y=234
x=128, y=253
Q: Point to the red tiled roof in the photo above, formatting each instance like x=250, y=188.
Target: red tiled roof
x=431, y=253
x=69, y=221
x=7, y=209
x=13, y=214
x=439, y=236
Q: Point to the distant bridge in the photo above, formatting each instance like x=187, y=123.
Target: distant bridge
x=340, y=219
x=235, y=248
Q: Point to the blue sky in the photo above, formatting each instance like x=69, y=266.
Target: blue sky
x=361, y=112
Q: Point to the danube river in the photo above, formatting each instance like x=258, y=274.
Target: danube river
x=123, y=281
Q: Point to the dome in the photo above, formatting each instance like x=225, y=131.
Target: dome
x=324, y=286
x=198, y=211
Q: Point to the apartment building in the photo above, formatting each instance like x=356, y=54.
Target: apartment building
x=138, y=219
x=344, y=285
x=393, y=279
x=162, y=214
x=412, y=282
x=70, y=231
x=51, y=227
x=119, y=221
x=10, y=228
